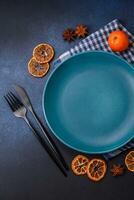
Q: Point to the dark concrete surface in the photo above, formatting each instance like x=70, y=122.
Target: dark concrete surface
x=26, y=171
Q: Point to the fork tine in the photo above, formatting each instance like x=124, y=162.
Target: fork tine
x=9, y=103
x=17, y=101
x=12, y=100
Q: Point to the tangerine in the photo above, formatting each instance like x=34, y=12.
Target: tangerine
x=118, y=41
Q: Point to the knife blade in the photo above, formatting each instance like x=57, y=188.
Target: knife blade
x=24, y=97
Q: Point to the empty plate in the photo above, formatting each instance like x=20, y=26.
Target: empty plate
x=88, y=102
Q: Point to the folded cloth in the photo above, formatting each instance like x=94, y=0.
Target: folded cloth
x=98, y=41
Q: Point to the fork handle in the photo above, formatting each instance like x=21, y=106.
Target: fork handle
x=49, y=139
x=44, y=144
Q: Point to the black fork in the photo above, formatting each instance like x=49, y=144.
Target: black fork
x=19, y=110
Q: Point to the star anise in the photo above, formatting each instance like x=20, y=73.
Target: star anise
x=81, y=31
x=117, y=170
x=69, y=35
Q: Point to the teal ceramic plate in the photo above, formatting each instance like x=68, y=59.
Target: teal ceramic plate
x=88, y=102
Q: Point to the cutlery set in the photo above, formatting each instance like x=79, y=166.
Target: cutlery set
x=19, y=109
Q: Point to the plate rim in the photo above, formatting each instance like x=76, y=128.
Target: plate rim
x=44, y=112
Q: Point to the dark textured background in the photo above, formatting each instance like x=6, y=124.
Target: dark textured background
x=26, y=172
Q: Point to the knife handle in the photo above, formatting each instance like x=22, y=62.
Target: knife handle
x=50, y=140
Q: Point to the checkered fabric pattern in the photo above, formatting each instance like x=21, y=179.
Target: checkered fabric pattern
x=98, y=41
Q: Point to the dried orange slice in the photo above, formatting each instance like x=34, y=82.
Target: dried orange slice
x=43, y=53
x=96, y=169
x=79, y=165
x=37, y=69
x=129, y=161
